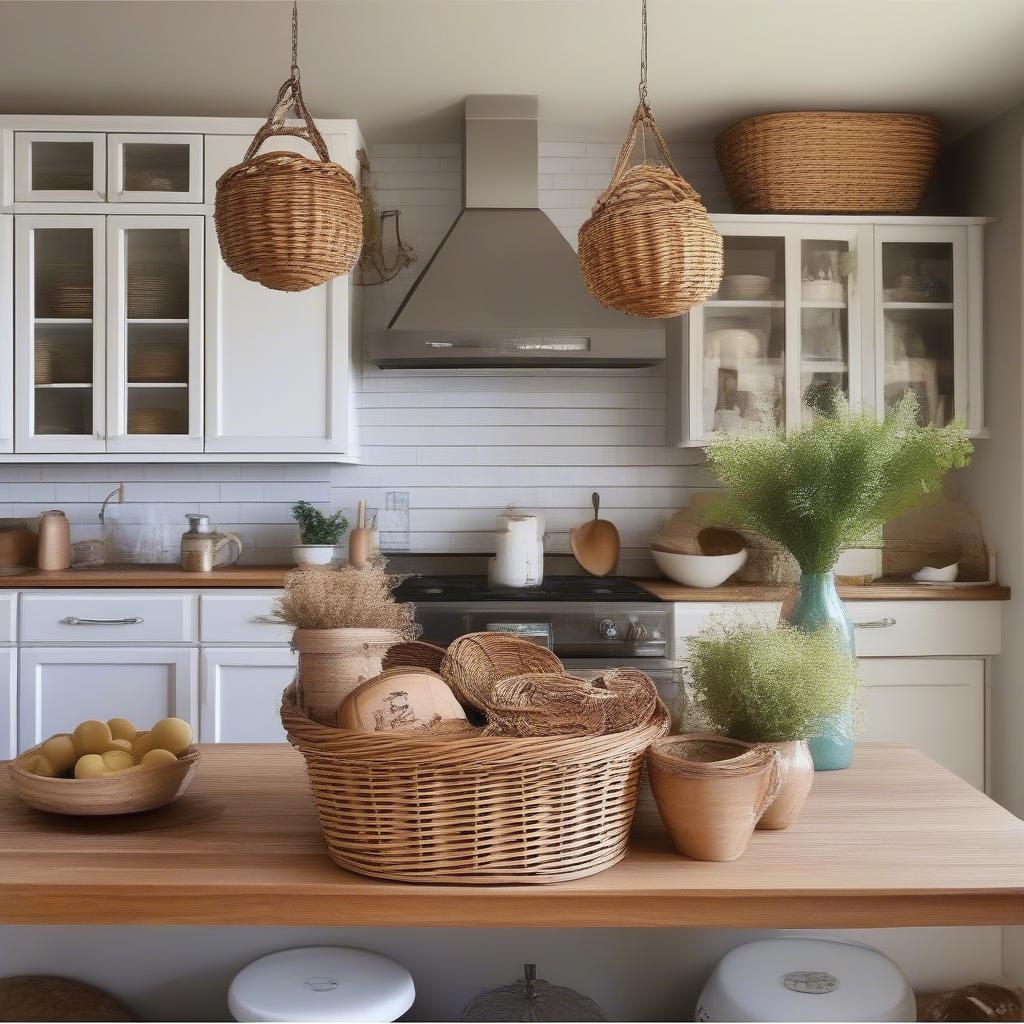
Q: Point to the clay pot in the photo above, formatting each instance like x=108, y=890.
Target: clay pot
x=796, y=775
x=711, y=791
x=333, y=662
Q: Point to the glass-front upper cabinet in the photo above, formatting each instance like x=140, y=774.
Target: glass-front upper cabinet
x=154, y=334
x=62, y=167
x=767, y=350
x=155, y=168
x=922, y=319
x=59, y=333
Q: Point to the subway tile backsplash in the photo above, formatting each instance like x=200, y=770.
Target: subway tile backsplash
x=450, y=448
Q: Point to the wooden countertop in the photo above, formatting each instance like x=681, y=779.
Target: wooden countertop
x=880, y=590
x=271, y=576
x=894, y=841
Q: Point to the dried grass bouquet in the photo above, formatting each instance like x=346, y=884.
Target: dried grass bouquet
x=343, y=597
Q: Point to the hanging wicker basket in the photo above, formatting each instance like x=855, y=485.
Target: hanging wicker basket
x=649, y=247
x=283, y=220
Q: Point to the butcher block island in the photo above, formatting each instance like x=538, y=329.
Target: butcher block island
x=895, y=841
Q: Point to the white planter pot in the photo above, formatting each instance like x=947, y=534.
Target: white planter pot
x=314, y=554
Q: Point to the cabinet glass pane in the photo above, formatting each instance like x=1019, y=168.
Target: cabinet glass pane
x=155, y=166
x=62, y=166
x=62, y=330
x=917, y=279
x=745, y=339
x=157, y=330
x=825, y=268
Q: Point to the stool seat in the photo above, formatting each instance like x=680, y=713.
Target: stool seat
x=806, y=979
x=321, y=983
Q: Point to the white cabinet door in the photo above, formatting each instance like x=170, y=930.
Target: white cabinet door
x=155, y=334
x=6, y=333
x=278, y=364
x=160, y=168
x=934, y=704
x=927, y=318
x=60, y=320
x=58, y=687
x=60, y=167
x=241, y=694
x=8, y=702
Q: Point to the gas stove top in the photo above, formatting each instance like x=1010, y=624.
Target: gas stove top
x=430, y=589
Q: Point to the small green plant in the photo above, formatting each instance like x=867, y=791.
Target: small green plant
x=826, y=486
x=769, y=684
x=317, y=528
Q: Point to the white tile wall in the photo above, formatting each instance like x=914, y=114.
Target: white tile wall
x=463, y=444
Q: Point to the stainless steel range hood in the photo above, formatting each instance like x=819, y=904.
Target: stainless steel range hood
x=504, y=287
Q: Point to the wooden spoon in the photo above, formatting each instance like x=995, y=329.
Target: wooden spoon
x=596, y=543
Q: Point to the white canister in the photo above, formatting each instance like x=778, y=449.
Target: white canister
x=518, y=551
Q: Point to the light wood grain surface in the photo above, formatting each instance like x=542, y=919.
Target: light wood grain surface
x=170, y=576
x=894, y=841
x=880, y=590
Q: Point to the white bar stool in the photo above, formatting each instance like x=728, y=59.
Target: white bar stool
x=321, y=983
x=806, y=979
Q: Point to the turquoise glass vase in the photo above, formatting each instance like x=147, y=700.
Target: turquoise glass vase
x=817, y=605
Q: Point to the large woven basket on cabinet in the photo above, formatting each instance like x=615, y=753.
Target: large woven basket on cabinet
x=481, y=810
x=829, y=162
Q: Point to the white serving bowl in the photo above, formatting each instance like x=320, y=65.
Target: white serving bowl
x=702, y=571
x=745, y=287
x=930, y=574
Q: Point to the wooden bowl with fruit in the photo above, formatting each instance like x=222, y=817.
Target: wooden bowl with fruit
x=107, y=768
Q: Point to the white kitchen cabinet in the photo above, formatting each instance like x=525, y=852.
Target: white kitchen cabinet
x=8, y=702
x=58, y=687
x=155, y=168
x=934, y=704
x=6, y=333
x=60, y=343
x=60, y=167
x=213, y=368
x=279, y=365
x=155, y=334
x=870, y=306
x=241, y=693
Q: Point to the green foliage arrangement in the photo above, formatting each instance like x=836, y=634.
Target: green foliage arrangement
x=768, y=684
x=317, y=528
x=824, y=487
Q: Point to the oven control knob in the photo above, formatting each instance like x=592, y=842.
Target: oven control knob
x=608, y=629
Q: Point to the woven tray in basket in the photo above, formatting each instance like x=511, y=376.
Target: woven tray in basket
x=475, y=811
x=829, y=162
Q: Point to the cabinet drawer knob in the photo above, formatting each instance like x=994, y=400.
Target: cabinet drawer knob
x=74, y=620
x=877, y=623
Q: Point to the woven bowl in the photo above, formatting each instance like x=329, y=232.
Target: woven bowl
x=127, y=792
x=475, y=662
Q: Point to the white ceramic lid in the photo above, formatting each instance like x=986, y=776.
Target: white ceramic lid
x=804, y=979
x=321, y=983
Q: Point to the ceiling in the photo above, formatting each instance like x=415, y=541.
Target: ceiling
x=402, y=67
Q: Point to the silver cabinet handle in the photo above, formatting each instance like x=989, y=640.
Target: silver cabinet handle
x=74, y=620
x=268, y=620
x=877, y=623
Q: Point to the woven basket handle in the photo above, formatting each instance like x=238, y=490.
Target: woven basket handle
x=290, y=94
x=641, y=118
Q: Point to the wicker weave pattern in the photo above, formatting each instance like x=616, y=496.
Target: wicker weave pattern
x=829, y=162
x=475, y=662
x=414, y=654
x=649, y=247
x=481, y=810
x=546, y=704
x=283, y=220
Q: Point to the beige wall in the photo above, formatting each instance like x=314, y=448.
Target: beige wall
x=985, y=171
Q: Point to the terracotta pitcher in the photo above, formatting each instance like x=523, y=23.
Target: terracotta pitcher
x=796, y=776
